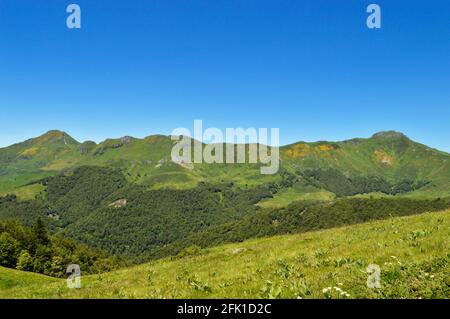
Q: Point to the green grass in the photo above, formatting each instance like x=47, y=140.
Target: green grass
x=28, y=191
x=413, y=253
x=289, y=195
x=11, y=280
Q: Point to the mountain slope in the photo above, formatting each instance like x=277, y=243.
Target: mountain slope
x=412, y=253
x=24, y=162
x=390, y=155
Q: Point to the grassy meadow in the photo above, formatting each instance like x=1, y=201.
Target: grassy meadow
x=413, y=253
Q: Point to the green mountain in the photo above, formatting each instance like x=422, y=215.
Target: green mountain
x=24, y=162
x=390, y=156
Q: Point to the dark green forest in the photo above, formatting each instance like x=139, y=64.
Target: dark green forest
x=96, y=207
x=300, y=217
x=34, y=249
x=336, y=182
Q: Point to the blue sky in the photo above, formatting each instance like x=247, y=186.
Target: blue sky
x=311, y=68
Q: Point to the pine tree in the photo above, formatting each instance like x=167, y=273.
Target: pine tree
x=40, y=232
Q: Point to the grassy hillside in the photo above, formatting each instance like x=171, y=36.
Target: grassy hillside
x=300, y=217
x=413, y=253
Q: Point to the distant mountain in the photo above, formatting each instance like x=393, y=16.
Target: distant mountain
x=389, y=155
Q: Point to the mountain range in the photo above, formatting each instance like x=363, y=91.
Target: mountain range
x=389, y=155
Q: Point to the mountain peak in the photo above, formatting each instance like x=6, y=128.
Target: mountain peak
x=55, y=136
x=55, y=133
x=389, y=135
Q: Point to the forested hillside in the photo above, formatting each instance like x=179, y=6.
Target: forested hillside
x=97, y=206
x=298, y=218
x=34, y=249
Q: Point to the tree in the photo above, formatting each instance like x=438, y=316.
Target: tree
x=25, y=261
x=40, y=232
x=56, y=267
x=9, y=250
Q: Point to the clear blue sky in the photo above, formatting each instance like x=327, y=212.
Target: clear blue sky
x=311, y=68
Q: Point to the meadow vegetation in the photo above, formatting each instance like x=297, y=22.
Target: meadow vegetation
x=412, y=252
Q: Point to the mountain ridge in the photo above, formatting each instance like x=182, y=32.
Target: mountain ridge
x=385, y=134
x=147, y=161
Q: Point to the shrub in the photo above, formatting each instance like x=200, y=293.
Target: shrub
x=9, y=250
x=25, y=261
